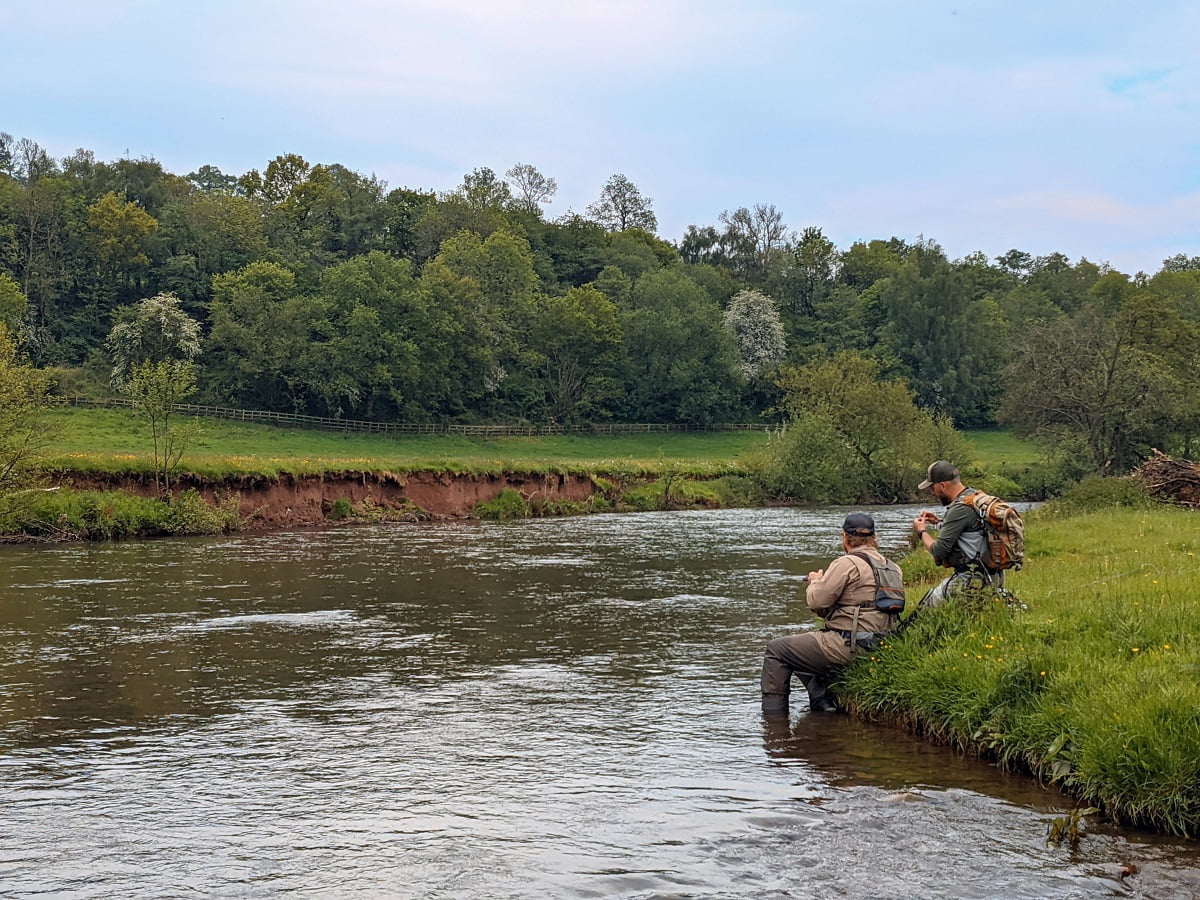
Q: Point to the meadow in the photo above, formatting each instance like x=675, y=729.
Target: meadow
x=115, y=440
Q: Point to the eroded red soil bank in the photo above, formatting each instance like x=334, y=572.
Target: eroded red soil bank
x=307, y=500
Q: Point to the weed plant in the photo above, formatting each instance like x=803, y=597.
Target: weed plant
x=1093, y=687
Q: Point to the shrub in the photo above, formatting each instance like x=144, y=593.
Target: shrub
x=342, y=509
x=508, y=504
x=1097, y=493
x=995, y=484
x=67, y=514
x=189, y=513
x=804, y=462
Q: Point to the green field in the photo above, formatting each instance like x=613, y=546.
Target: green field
x=113, y=440
x=996, y=447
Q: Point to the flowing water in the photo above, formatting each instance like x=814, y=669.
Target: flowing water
x=551, y=708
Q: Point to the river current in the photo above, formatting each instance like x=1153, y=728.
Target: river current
x=547, y=708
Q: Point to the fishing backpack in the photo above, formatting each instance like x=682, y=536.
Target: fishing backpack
x=889, y=585
x=1004, y=529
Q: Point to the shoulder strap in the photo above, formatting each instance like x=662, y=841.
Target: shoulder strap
x=862, y=554
x=866, y=557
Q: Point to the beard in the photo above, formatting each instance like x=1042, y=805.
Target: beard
x=945, y=501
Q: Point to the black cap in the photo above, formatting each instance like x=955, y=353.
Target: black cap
x=938, y=471
x=859, y=525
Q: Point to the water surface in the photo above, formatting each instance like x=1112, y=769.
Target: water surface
x=554, y=708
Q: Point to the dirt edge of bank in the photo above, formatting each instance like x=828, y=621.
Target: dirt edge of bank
x=292, y=501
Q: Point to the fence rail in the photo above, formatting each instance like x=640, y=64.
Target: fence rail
x=417, y=428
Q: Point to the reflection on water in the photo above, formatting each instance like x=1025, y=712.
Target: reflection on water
x=548, y=708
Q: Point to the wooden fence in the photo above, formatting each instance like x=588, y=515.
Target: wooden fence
x=413, y=428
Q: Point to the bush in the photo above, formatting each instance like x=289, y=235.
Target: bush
x=508, y=504
x=804, y=462
x=995, y=484
x=342, y=509
x=67, y=514
x=643, y=498
x=1097, y=493
x=189, y=513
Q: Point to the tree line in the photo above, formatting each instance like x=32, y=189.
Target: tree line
x=319, y=290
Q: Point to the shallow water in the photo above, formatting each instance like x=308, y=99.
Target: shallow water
x=555, y=708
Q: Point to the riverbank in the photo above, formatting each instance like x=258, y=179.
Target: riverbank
x=105, y=506
x=1092, y=686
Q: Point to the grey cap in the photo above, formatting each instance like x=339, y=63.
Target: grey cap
x=938, y=471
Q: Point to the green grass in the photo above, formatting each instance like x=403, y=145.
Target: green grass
x=1095, y=687
x=100, y=440
x=994, y=447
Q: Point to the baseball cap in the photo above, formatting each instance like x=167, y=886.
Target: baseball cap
x=938, y=471
x=859, y=525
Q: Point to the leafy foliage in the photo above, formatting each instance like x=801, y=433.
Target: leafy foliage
x=316, y=289
x=23, y=399
x=852, y=435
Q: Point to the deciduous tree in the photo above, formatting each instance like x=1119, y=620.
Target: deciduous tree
x=754, y=320
x=23, y=398
x=622, y=205
x=155, y=329
x=530, y=189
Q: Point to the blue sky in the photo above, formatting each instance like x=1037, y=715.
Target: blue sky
x=1069, y=126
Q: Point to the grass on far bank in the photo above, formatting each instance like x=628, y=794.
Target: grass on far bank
x=103, y=440
x=115, y=440
x=995, y=447
x=1095, y=687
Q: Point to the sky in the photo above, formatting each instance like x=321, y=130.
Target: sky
x=1069, y=127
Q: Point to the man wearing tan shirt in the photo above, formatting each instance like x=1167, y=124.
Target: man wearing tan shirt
x=844, y=596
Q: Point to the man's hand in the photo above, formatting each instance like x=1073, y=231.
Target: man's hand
x=816, y=576
x=924, y=520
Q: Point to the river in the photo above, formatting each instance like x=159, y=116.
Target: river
x=547, y=708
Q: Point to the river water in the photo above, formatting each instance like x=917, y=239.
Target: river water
x=550, y=708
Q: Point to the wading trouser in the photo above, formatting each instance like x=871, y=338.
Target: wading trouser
x=813, y=656
x=964, y=580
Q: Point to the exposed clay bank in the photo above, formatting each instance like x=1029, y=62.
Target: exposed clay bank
x=297, y=500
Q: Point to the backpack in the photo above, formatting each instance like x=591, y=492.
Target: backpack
x=889, y=586
x=1004, y=529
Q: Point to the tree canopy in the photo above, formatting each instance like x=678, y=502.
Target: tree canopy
x=313, y=288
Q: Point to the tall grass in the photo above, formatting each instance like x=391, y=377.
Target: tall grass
x=1094, y=687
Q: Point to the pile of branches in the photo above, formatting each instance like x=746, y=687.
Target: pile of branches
x=1174, y=480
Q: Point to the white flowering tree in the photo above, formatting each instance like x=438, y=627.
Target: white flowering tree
x=153, y=348
x=758, y=331
x=154, y=329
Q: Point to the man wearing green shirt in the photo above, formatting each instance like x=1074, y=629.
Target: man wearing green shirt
x=960, y=541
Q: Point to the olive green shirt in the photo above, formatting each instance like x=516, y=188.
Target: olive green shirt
x=960, y=539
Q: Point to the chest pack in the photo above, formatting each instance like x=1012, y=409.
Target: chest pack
x=889, y=585
x=1003, y=528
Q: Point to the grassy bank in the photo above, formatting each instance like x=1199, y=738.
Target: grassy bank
x=1095, y=687
x=666, y=470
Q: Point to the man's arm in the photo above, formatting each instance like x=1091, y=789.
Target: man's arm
x=959, y=517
